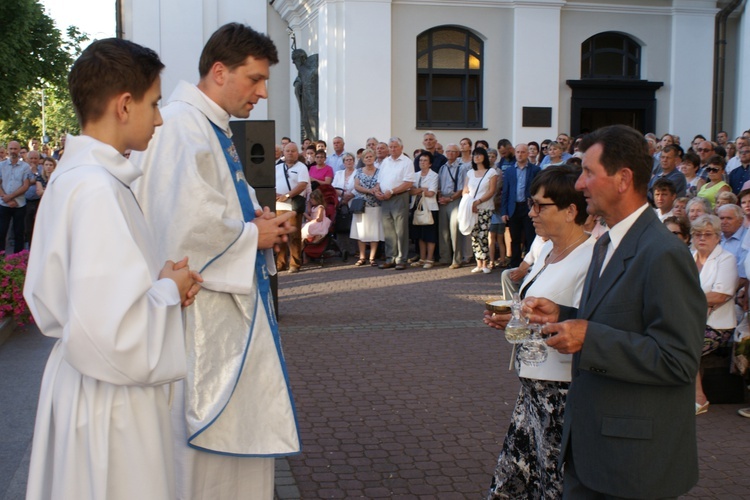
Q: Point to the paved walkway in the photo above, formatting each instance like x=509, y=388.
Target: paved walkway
x=401, y=391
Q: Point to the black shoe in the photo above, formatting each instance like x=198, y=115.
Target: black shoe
x=387, y=265
x=400, y=267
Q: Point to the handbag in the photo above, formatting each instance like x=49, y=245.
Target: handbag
x=357, y=206
x=343, y=218
x=467, y=218
x=422, y=216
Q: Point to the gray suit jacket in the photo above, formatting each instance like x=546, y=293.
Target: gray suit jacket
x=630, y=414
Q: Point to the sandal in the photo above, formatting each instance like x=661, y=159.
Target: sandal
x=700, y=409
x=373, y=263
x=359, y=262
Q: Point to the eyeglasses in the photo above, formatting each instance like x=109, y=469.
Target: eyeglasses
x=699, y=236
x=535, y=206
x=713, y=169
x=745, y=152
x=704, y=150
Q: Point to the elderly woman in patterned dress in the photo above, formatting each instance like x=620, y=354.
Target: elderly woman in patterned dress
x=527, y=465
x=367, y=227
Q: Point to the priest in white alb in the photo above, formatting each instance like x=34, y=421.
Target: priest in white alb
x=234, y=414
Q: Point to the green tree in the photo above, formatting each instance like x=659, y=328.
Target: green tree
x=35, y=56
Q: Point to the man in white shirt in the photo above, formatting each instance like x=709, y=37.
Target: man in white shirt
x=664, y=197
x=292, y=179
x=394, y=181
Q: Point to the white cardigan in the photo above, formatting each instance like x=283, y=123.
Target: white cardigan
x=719, y=274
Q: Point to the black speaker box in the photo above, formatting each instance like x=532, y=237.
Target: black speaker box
x=255, y=141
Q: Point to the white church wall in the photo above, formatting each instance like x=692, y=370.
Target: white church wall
x=178, y=29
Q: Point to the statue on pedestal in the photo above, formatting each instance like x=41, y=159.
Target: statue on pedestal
x=306, y=91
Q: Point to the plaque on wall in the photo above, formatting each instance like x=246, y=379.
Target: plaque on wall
x=537, y=117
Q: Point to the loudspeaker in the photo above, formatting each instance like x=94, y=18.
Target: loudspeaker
x=255, y=141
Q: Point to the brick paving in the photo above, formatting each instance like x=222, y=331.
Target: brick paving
x=402, y=392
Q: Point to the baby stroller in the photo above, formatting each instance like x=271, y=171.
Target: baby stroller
x=328, y=246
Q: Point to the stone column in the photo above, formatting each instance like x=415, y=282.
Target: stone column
x=536, y=37
x=691, y=69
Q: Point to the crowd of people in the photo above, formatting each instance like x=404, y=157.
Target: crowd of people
x=24, y=173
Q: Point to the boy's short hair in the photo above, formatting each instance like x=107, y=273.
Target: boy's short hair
x=232, y=44
x=108, y=68
x=662, y=184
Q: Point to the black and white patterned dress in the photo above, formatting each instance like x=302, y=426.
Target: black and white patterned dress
x=528, y=463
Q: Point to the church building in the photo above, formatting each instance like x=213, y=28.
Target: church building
x=516, y=69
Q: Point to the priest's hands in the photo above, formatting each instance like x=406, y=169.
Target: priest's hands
x=273, y=229
x=187, y=281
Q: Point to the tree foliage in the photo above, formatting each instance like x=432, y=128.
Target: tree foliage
x=35, y=56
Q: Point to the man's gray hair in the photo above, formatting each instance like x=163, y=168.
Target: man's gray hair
x=396, y=139
x=734, y=208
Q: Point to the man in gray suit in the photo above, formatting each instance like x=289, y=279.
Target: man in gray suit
x=630, y=417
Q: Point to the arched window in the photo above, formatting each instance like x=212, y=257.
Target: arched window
x=611, y=55
x=449, y=78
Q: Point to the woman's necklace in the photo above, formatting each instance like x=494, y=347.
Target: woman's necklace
x=547, y=261
x=553, y=260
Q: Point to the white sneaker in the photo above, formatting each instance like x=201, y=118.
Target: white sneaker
x=486, y=270
x=476, y=270
x=744, y=412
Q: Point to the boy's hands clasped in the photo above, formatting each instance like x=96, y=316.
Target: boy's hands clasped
x=187, y=281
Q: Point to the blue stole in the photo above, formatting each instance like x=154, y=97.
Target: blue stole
x=261, y=270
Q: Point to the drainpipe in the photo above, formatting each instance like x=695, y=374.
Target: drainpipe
x=720, y=48
x=118, y=18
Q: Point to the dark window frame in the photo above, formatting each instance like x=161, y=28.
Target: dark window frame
x=590, y=53
x=471, y=82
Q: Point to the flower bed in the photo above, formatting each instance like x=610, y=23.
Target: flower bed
x=12, y=276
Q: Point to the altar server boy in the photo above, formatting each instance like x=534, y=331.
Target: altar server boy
x=102, y=427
